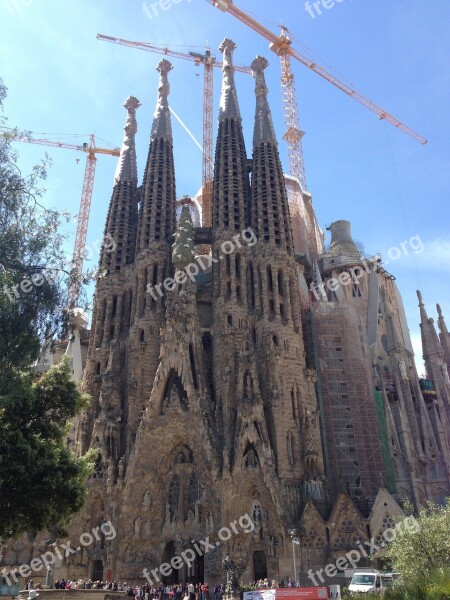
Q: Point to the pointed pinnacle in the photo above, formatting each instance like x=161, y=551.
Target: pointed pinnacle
x=419, y=296
x=126, y=167
x=229, y=107
x=164, y=66
x=227, y=47
x=258, y=66
x=161, y=124
x=131, y=104
x=263, y=130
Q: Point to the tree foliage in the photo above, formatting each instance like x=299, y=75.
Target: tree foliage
x=31, y=259
x=422, y=551
x=41, y=480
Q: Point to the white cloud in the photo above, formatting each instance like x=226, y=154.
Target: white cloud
x=434, y=256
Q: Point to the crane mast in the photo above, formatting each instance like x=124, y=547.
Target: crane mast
x=207, y=164
x=85, y=203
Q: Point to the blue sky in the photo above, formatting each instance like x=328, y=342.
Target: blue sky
x=62, y=80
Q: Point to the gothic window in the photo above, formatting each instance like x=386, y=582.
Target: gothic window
x=193, y=369
x=356, y=290
x=269, y=278
x=340, y=543
x=261, y=292
x=207, y=342
x=250, y=458
x=248, y=385
x=387, y=523
x=281, y=283
x=194, y=490
x=294, y=404
x=250, y=286
x=290, y=447
x=182, y=455
x=238, y=266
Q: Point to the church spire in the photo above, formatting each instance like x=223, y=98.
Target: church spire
x=444, y=336
x=162, y=127
x=229, y=107
x=157, y=213
x=121, y=222
x=126, y=167
x=270, y=211
x=263, y=131
x=430, y=340
x=231, y=180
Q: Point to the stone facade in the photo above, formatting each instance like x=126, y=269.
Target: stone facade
x=257, y=387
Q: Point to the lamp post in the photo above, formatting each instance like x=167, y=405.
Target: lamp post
x=294, y=534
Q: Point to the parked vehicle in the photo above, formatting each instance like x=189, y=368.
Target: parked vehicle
x=369, y=580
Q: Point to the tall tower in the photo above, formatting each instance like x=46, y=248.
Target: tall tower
x=286, y=387
x=444, y=336
x=155, y=230
x=113, y=301
x=231, y=200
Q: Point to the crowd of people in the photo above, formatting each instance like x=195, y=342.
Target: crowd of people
x=188, y=591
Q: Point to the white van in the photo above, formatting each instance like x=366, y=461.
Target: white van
x=370, y=581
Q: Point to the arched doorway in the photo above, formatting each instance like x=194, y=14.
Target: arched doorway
x=169, y=553
x=259, y=564
x=97, y=570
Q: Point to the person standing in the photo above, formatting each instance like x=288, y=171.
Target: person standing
x=191, y=591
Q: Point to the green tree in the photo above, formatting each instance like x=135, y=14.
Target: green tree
x=421, y=547
x=41, y=480
x=32, y=261
x=42, y=483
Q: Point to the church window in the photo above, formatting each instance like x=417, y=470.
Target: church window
x=356, y=290
x=294, y=404
x=250, y=286
x=238, y=266
x=269, y=278
x=250, y=457
x=193, y=370
x=281, y=283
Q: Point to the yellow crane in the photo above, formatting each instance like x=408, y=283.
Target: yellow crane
x=85, y=203
x=282, y=46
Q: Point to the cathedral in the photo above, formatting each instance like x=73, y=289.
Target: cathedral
x=244, y=370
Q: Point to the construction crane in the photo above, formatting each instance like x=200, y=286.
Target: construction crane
x=282, y=46
x=208, y=61
x=85, y=204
